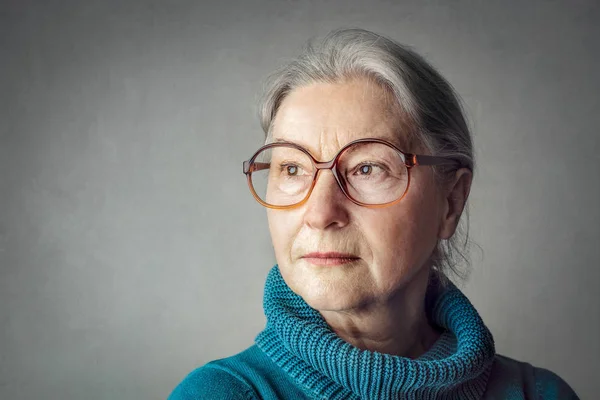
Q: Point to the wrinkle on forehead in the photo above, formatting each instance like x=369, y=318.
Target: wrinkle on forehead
x=323, y=117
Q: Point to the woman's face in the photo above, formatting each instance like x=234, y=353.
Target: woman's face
x=387, y=246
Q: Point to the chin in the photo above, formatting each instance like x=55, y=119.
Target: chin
x=325, y=292
x=333, y=302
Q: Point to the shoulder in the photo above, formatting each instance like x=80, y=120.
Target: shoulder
x=551, y=386
x=219, y=379
x=510, y=378
x=250, y=374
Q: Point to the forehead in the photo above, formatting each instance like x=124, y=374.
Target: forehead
x=323, y=117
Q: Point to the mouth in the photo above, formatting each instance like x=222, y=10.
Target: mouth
x=329, y=258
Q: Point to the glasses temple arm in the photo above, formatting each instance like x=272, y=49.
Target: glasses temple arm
x=433, y=160
x=255, y=166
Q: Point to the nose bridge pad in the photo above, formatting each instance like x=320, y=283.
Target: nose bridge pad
x=325, y=165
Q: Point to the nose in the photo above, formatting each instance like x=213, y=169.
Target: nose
x=326, y=208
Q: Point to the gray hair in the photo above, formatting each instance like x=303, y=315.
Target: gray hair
x=427, y=99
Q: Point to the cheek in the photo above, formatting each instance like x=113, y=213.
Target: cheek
x=420, y=237
x=282, y=228
x=403, y=237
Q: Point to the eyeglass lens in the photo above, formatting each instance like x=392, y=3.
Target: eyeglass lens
x=370, y=173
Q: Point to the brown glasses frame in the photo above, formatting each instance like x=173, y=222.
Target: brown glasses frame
x=410, y=161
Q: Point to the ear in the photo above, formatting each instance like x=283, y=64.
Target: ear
x=456, y=192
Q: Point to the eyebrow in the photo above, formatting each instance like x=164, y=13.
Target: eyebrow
x=279, y=140
x=394, y=141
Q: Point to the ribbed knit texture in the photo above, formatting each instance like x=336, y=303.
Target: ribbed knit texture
x=299, y=341
x=299, y=357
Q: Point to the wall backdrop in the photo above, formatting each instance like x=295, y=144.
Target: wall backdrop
x=131, y=250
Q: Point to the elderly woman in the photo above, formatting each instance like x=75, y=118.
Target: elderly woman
x=365, y=173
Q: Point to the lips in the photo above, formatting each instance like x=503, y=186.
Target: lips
x=329, y=258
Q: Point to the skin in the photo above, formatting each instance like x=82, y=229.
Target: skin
x=375, y=302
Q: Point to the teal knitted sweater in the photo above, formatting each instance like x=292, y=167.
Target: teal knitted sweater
x=298, y=356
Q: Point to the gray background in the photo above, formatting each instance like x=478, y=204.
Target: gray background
x=130, y=248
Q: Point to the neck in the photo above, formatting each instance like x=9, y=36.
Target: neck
x=300, y=341
x=397, y=326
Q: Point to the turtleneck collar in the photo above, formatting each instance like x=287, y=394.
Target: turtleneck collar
x=298, y=339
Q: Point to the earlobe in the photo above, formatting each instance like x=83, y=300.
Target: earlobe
x=454, y=203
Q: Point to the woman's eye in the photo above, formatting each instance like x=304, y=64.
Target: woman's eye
x=290, y=169
x=366, y=169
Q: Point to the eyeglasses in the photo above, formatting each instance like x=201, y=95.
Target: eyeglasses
x=370, y=172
